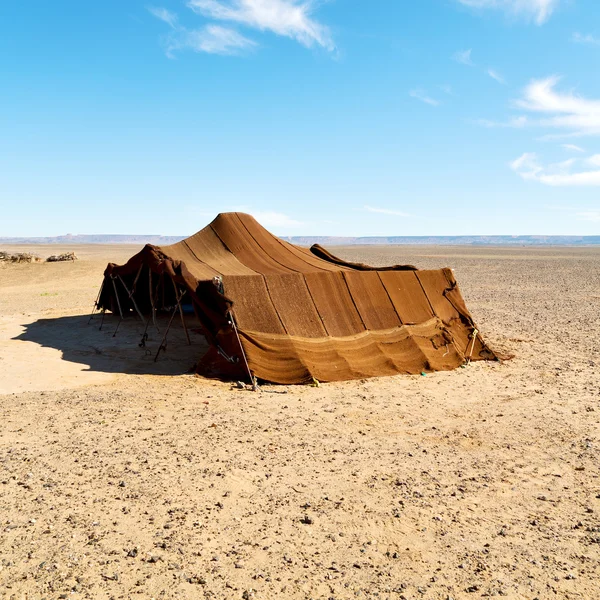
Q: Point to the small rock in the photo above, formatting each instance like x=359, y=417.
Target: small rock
x=154, y=558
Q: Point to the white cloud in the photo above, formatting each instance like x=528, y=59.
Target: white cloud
x=423, y=97
x=529, y=168
x=588, y=39
x=447, y=89
x=572, y=147
x=575, y=115
x=538, y=10
x=463, y=57
x=164, y=15
x=212, y=39
x=496, y=76
x=385, y=211
x=289, y=18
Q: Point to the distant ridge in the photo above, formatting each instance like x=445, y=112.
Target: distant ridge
x=444, y=240
x=99, y=238
x=452, y=240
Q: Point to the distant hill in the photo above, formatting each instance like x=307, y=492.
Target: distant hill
x=446, y=240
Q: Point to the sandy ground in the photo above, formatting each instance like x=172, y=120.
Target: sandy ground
x=125, y=478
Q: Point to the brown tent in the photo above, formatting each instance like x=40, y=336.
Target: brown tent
x=286, y=314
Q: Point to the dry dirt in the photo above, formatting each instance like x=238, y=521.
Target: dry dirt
x=125, y=478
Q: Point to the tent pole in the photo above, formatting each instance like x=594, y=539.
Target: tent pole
x=187, y=335
x=237, y=335
x=96, y=303
x=119, y=305
x=130, y=294
x=117, y=296
x=162, y=343
x=151, y=296
x=142, y=343
x=136, y=279
x=117, y=329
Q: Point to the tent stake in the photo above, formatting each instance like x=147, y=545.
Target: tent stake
x=187, y=335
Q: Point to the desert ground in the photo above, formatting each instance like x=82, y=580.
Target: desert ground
x=125, y=478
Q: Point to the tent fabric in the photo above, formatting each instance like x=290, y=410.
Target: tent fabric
x=291, y=314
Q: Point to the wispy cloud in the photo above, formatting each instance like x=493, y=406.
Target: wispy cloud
x=288, y=18
x=271, y=218
x=496, y=76
x=212, y=39
x=267, y=218
x=515, y=123
x=421, y=95
x=572, y=147
x=564, y=173
x=464, y=57
x=589, y=215
x=589, y=39
x=538, y=10
x=447, y=89
x=385, y=211
x=575, y=115
x=164, y=15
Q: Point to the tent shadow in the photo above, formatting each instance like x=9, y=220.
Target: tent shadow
x=87, y=344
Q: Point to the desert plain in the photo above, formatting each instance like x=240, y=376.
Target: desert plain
x=125, y=478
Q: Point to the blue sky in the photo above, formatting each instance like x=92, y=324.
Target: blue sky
x=332, y=117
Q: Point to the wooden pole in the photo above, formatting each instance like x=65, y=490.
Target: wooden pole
x=130, y=295
x=252, y=378
x=162, y=343
x=97, y=300
x=178, y=297
x=117, y=296
x=136, y=279
x=151, y=296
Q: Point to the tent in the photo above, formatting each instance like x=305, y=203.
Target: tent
x=286, y=314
